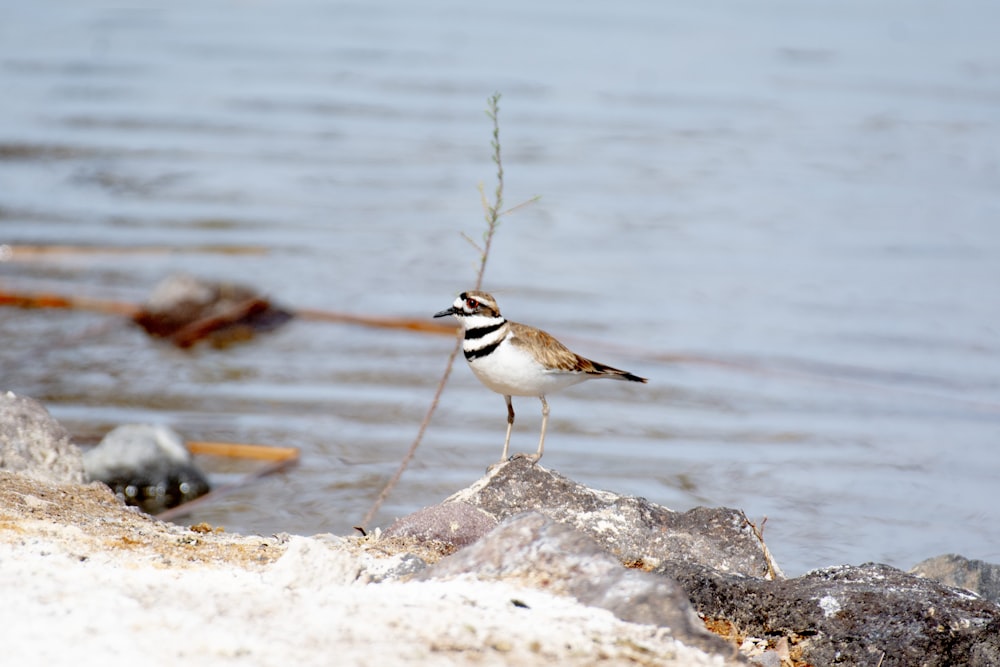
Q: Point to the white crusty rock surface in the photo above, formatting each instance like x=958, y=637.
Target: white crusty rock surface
x=87, y=580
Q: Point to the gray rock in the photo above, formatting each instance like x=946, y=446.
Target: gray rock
x=766, y=659
x=866, y=615
x=639, y=533
x=402, y=566
x=147, y=466
x=458, y=524
x=978, y=576
x=536, y=551
x=32, y=442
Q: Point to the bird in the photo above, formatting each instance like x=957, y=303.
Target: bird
x=515, y=359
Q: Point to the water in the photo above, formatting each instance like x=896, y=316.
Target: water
x=786, y=216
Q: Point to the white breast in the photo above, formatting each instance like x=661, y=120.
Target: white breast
x=513, y=371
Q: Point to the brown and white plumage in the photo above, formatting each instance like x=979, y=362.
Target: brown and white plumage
x=556, y=356
x=515, y=359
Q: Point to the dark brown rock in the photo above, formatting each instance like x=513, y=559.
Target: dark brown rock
x=866, y=615
x=184, y=310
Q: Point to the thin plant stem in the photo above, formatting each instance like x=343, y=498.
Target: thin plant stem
x=493, y=215
x=492, y=211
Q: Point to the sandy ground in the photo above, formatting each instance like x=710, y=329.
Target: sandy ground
x=86, y=580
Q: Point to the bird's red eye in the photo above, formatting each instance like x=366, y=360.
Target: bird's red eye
x=472, y=304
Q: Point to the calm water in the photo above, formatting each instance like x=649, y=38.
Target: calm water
x=786, y=216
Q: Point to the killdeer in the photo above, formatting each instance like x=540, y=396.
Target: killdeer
x=514, y=359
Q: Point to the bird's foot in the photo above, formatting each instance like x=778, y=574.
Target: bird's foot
x=493, y=467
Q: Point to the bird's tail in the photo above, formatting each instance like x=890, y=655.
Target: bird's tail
x=616, y=373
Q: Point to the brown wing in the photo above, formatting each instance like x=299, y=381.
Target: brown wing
x=553, y=354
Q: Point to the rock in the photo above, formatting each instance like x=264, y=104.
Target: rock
x=978, y=576
x=393, y=568
x=865, y=615
x=379, y=559
x=637, y=532
x=147, y=466
x=310, y=563
x=32, y=442
x=457, y=524
x=766, y=659
x=185, y=310
x=533, y=550
x=74, y=561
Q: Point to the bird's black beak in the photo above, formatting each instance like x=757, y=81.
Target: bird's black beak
x=443, y=313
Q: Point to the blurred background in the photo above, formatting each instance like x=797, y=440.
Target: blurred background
x=786, y=215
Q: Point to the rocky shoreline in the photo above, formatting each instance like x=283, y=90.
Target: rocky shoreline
x=522, y=567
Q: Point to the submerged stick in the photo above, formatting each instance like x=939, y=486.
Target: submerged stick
x=242, y=450
x=9, y=252
x=412, y=324
x=130, y=310
x=44, y=300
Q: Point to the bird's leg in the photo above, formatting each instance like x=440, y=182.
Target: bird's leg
x=510, y=425
x=541, y=439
